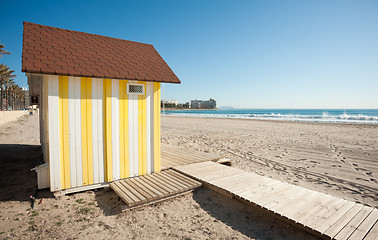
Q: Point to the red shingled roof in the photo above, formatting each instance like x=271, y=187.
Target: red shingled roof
x=57, y=51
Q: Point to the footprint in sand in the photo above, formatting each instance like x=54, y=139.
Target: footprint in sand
x=362, y=179
x=336, y=165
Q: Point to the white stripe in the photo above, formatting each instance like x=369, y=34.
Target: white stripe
x=53, y=119
x=115, y=130
x=100, y=116
x=149, y=87
x=74, y=123
x=131, y=135
x=135, y=132
x=71, y=131
x=77, y=111
x=95, y=131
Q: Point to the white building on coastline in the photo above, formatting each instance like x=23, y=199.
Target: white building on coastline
x=203, y=104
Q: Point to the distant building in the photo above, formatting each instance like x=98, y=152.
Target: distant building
x=201, y=104
x=183, y=105
x=26, y=97
x=173, y=102
x=169, y=103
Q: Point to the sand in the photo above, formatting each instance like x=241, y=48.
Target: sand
x=257, y=146
x=8, y=116
x=338, y=159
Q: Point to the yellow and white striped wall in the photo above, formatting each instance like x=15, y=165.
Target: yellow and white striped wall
x=99, y=133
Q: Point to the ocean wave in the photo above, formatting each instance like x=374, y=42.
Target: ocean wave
x=324, y=117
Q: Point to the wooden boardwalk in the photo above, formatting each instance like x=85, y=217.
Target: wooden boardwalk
x=147, y=189
x=172, y=156
x=321, y=214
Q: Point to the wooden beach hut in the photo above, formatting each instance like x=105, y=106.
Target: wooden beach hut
x=99, y=100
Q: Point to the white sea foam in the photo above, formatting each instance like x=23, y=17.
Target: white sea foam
x=324, y=117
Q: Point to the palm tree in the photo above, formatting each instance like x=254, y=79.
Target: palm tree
x=3, y=51
x=6, y=79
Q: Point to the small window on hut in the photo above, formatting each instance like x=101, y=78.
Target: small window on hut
x=135, y=89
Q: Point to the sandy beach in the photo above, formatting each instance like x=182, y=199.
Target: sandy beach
x=337, y=159
x=8, y=116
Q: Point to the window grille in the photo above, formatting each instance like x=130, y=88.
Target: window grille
x=135, y=89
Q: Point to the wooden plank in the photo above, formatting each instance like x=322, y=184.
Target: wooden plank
x=250, y=185
x=120, y=193
x=285, y=198
x=365, y=226
x=134, y=199
x=229, y=179
x=354, y=223
x=161, y=184
x=220, y=174
x=261, y=192
x=179, y=177
x=326, y=211
x=190, y=168
x=173, y=185
x=181, y=160
x=174, y=182
x=139, y=188
x=178, y=158
x=276, y=191
x=309, y=205
x=323, y=226
x=128, y=208
x=202, y=170
x=313, y=211
x=132, y=190
x=149, y=188
x=185, y=178
x=186, y=155
x=154, y=185
x=306, y=218
x=343, y=221
x=235, y=183
x=187, y=185
x=373, y=233
x=301, y=201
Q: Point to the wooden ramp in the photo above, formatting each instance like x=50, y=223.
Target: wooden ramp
x=147, y=189
x=321, y=214
x=172, y=156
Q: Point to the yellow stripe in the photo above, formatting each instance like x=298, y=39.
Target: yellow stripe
x=89, y=131
x=124, y=129
x=84, y=129
x=64, y=133
x=108, y=130
x=157, y=159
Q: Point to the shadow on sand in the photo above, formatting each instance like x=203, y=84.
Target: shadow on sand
x=109, y=202
x=17, y=182
x=250, y=221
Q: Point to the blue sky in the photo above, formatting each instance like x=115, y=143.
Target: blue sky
x=245, y=54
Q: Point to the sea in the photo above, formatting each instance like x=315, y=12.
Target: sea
x=357, y=116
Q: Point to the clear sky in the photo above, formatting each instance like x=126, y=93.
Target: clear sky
x=245, y=54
